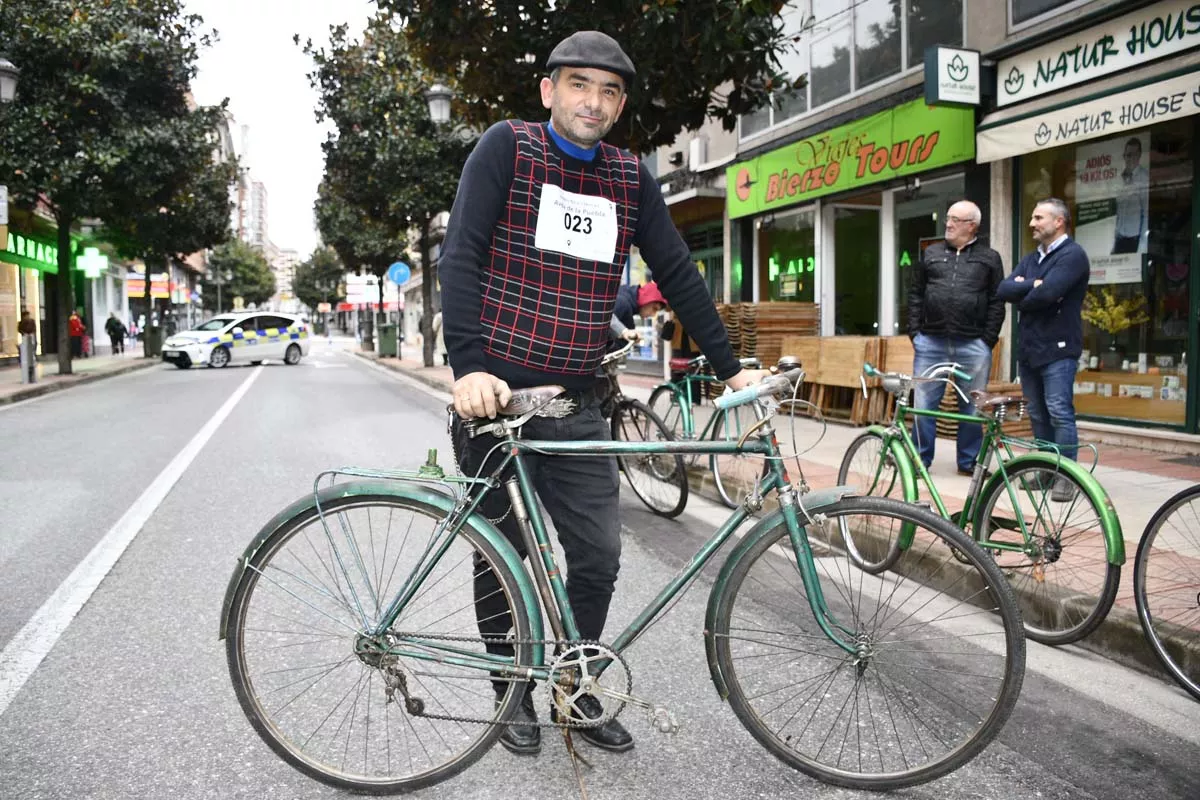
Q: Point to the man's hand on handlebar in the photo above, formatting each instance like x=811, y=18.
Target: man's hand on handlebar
x=479, y=394
x=746, y=378
x=631, y=335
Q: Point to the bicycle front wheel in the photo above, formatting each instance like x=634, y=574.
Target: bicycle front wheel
x=668, y=405
x=735, y=475
x=938, y=657
x=318, y=690
x=1166, y=587
x=869, y=467
x=658, y=479
x=1062, y=578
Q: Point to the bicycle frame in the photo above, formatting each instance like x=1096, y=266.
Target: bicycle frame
x=683, y=391
x=994, y=447
x=547, y=576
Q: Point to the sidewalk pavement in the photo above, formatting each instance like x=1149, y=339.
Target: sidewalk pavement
x=1137, y=481
x=84, y=370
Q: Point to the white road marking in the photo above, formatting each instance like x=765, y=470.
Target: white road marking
x=33, y=642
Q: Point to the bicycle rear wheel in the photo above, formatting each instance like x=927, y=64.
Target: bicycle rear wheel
x=1063, y=580
x=871, y=470
x=668, y=405
x=305, y=673
x=1166, y=586
x=735, y=475
x=658, y=479
x=938, y=664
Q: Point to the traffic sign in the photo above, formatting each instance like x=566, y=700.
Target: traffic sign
x=399, y=273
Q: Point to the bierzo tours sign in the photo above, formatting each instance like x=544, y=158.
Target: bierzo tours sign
x=1150, y=33
x=1094, y=119
x=904, y=140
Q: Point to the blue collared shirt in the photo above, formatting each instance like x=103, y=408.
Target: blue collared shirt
x=1053, y=246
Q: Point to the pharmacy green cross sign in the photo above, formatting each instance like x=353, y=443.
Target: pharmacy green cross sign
x=92, y=263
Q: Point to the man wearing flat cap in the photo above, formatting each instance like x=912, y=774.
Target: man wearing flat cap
x=534, y=253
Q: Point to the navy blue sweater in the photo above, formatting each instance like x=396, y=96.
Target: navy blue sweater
x=468, y=248
x=1050, y=324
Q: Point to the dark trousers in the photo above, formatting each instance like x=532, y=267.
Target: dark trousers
x=118, y=343
x=580, y=495
x=77, y=347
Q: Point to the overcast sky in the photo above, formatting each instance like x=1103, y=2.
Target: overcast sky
x=263, y=73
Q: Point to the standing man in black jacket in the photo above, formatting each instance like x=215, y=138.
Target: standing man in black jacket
x=954, y=314
x=538, y=239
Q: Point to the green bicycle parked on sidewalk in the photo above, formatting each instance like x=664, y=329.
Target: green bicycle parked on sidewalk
x=678, y=404
x=1043, y=517
x=353, y=643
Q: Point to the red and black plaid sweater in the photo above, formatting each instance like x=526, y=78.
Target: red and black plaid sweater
x=532, y=316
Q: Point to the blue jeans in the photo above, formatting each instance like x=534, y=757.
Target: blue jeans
x=975, y=358
x=1050, y=395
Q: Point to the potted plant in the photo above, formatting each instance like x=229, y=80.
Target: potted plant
x=1113, y=315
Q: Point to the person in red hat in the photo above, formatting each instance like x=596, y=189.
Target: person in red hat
x=645, y=300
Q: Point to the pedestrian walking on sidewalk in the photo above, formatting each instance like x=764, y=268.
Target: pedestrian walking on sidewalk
x=439, y=341
x=116, y=333
x=954, y=314
x=536, y=245
x=76, y=330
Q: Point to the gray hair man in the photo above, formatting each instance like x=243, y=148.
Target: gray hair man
x=955, y=315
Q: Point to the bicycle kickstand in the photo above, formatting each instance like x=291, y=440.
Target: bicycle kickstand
x=576, y=759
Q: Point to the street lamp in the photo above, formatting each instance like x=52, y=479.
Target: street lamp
x=438, y=96
x=8, y=80
x=222, y=277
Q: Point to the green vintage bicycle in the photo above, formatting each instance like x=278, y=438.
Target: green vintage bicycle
x=1042, y=517
x=679, y=405
x=353, y=640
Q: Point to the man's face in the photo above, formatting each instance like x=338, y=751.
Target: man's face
x=584, y=103
x=960, y=224
x=1045, y=224
x=649, y=310
x=1133, y=154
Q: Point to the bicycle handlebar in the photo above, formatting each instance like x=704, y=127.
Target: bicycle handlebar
x=776, y=384
x=933, y=375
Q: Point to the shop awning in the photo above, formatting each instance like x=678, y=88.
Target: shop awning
x=1005, y=134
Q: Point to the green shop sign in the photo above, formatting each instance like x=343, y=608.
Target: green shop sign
x=903, y=140
x=30, y=253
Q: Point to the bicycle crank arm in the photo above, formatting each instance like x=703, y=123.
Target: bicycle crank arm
x=661, y=718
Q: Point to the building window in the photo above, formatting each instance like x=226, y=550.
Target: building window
x=1130, y=198
x=842, y=48
x=1025, y=10
x=787, y=266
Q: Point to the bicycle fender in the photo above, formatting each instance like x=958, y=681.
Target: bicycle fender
x=422, y=493
x=813, y=502
x=1114, y=539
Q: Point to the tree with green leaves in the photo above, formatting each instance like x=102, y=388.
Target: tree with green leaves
x=103, y=89
x=389, y=170
x=243, y=272
x=694, y=59
x=319, y=278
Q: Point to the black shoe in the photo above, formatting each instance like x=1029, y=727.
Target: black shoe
x=522, y=735
x=610, y=736
x=1063, y=491
x=967, y=472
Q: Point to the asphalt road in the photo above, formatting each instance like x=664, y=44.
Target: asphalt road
x=126, y=693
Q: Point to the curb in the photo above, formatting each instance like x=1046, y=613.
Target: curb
x=1119, y=638
x=38, y=390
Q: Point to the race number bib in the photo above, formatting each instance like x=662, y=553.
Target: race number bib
x=576, y=224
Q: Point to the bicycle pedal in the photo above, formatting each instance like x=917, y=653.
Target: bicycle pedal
x=663, y=720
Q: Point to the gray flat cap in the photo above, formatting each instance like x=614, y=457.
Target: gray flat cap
x=592, y=49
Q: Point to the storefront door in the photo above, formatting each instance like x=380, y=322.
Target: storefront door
x=856, y=270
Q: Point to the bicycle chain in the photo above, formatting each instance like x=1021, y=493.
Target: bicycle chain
x=566, y=644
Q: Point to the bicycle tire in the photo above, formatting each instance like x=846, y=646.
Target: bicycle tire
x=858, y=471
x=964, y=623
x=292, y=628
x=664, y=401
x=660, y=479
x=1171, y=621
x=1061, y=601
x=734, y=475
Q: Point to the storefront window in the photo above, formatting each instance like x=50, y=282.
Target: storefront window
x=1131, y=201
x=788, y=256
x=920, y=221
